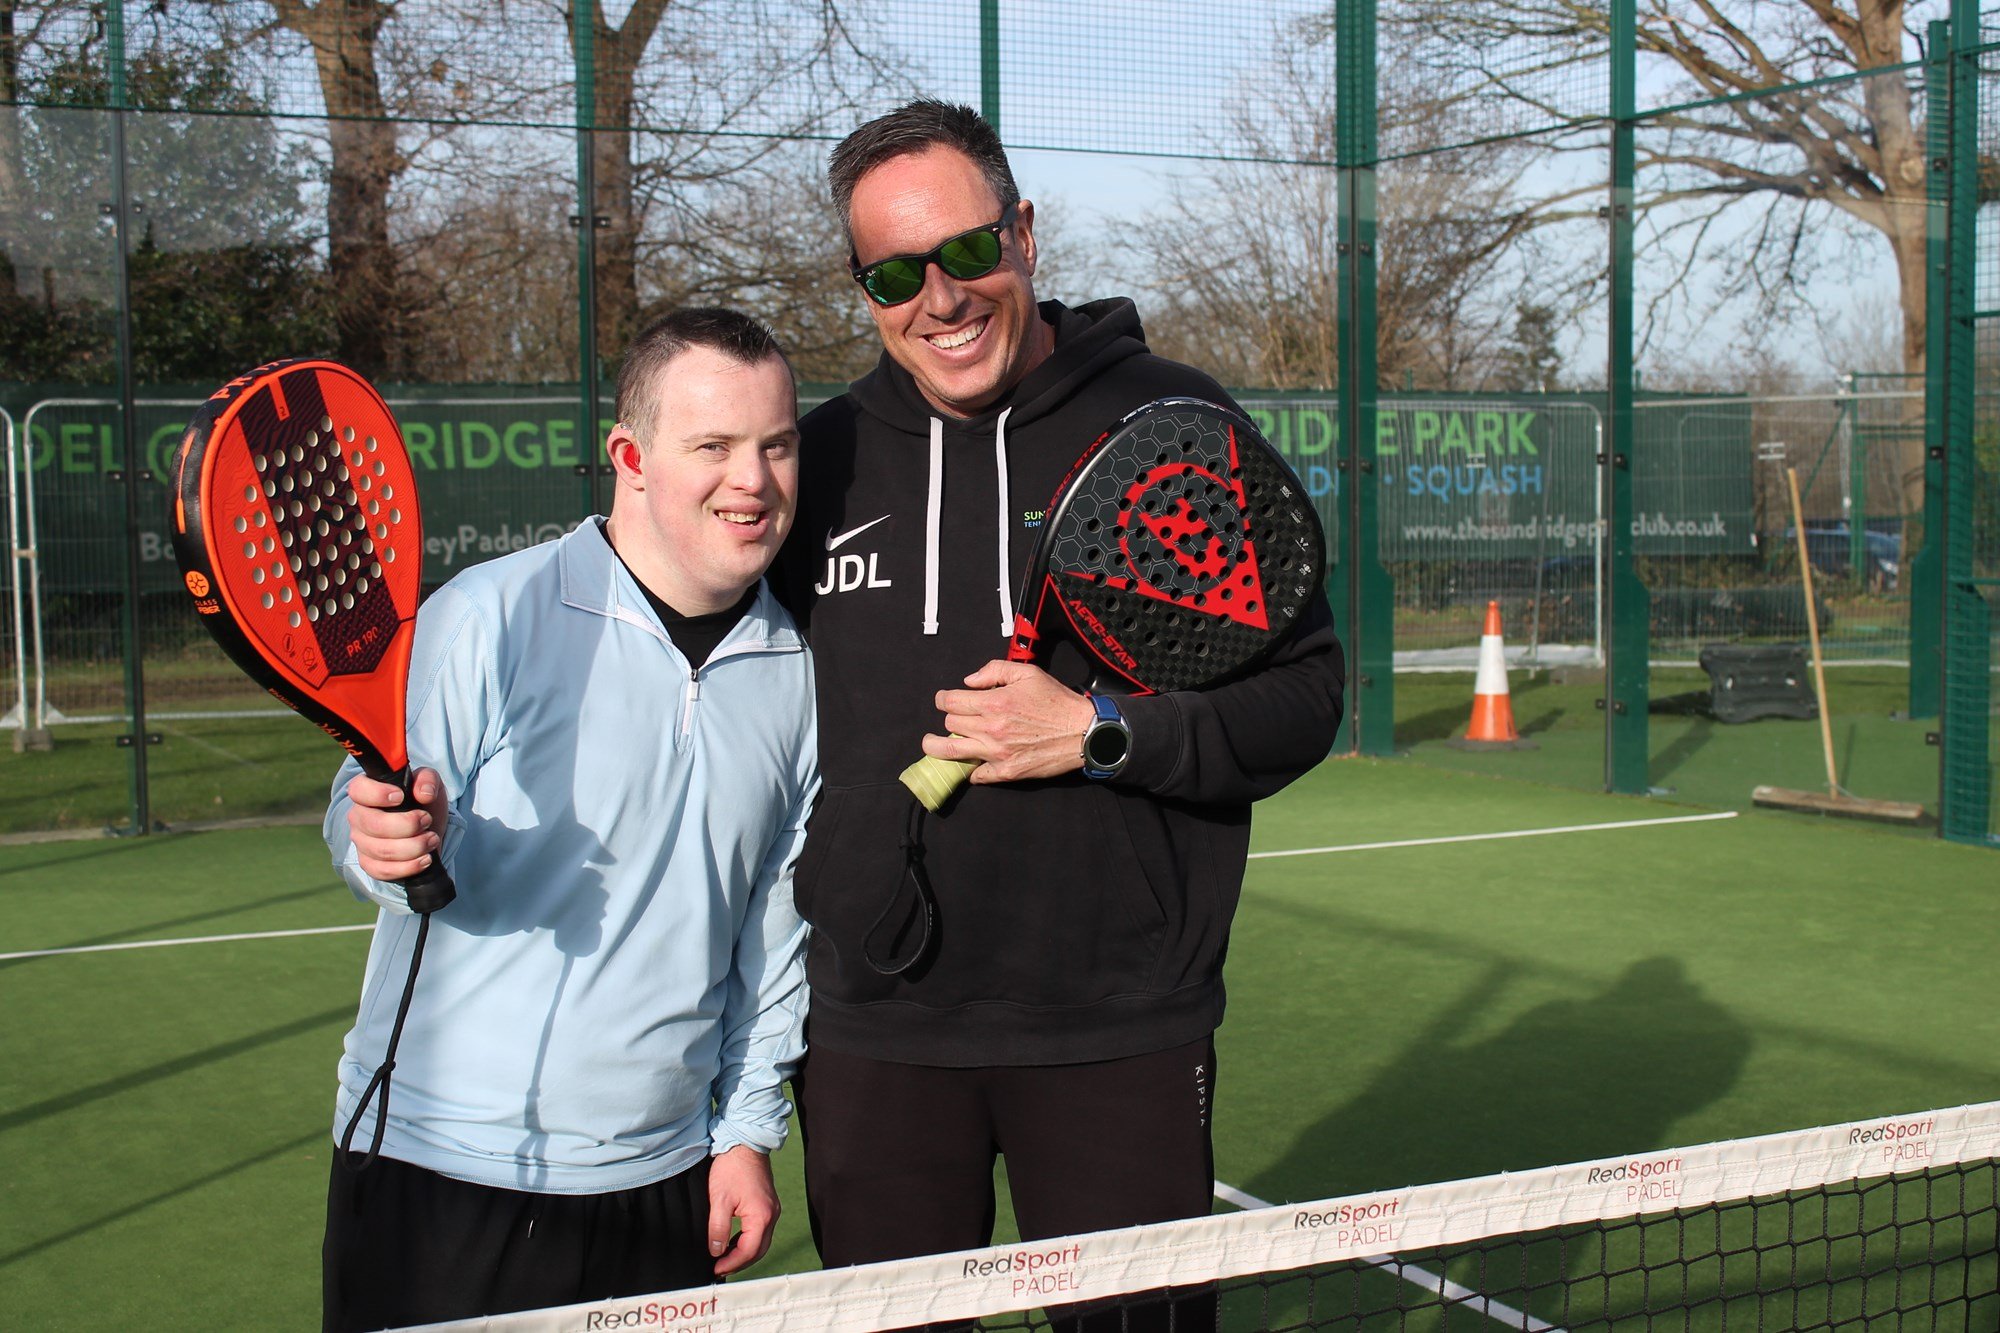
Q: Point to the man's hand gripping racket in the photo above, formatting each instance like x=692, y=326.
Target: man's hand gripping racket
x=1180, y=549
x=296, y=526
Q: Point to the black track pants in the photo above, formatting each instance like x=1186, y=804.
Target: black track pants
x=408, y=1246
x=899, y=1158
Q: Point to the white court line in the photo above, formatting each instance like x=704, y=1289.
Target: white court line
x=1510, y=833
x=191, y=939
x=1296, y=851
x=1443, y=1286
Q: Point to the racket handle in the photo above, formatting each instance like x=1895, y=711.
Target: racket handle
x=430, y=888
x=932, y=780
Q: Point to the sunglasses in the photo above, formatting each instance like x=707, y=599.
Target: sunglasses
x=970, y=254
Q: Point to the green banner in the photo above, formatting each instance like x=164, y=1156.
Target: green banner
x=496, y=475
x=499, y=470
x=1516, y=477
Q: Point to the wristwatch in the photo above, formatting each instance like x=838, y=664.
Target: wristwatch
x=1107, y=742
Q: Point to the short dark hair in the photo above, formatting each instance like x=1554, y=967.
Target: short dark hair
x=912, y=128
x=730, y=332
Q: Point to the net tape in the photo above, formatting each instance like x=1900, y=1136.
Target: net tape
x=1105, y=1265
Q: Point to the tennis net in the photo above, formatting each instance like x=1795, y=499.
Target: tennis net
x=1877, y=1224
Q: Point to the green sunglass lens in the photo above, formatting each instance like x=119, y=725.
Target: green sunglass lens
x=894, y=281
x=973, y=255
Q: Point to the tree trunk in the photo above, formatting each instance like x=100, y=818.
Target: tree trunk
x=367, y=291
x=1902, y=171
x=618, y=51
x=367, y=299
x=618, y=241
x=13, y=181
x=1912, y=280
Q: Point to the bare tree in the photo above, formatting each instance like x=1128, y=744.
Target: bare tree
x=24, y=45
x=1757, y=134
x=491, y=282
x=774, y=246
x=618, y=50
x=361, y=263
x=695, y=105
x=12, y=182
x=1244, y=272
x=399, y=84
x=493, y=285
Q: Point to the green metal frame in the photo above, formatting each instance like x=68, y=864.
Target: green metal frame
x=1951, y=608
x=1926, y=565
x=1626, y=601
x=989, y=62
x=1857, y=483
x=1363, y=595
x=130, y=462
x=1965, y=775
x=583, y=43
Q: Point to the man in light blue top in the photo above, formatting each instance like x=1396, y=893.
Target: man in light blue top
x=620, y=753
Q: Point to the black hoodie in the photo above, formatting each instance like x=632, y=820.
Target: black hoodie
x=1077, y=920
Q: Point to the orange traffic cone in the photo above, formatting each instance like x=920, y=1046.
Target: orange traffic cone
x=1492, y=725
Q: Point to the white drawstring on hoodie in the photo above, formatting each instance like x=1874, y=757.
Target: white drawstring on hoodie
x=933, y=508
x=1000, y=489
x=934, y=512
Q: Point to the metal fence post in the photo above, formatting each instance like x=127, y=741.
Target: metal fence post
x=1965, y=773
x=1626, y=600
x=1364, y=599
x=132, y=466
x=1924, y=573
x=1854, y=497
x=29, y=732
x=583, y=20
x=989, y=62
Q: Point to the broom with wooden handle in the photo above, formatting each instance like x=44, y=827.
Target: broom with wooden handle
x=1833, y=801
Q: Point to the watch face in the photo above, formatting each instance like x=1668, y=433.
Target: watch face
x=1105, y=747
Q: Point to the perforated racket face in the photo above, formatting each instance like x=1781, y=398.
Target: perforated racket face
x=296, y=525
x=1184, y=548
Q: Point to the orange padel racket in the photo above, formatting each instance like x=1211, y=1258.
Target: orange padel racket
x=296, y=526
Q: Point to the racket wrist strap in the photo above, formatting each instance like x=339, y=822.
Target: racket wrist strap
x=377, y=1090
x=921, y=918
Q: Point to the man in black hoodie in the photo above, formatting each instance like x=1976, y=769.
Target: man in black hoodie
x=1058, y=1007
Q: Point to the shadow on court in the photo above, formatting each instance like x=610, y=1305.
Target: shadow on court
x=65, y=853
x=1436, y=724
x=154, y=1200
x=1693, y=738
x=153, y=929
x=1566, y=1081
x=139, y=1078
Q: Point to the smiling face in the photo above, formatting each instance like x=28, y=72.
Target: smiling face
x=965, y=341
x=708, y=485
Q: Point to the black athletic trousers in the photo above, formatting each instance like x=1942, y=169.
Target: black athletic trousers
x=408, y=1246
x=899, y=1158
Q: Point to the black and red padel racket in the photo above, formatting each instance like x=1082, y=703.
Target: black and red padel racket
x=1180, y=549
x=296, y=526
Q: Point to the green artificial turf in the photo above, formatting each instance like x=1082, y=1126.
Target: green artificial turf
x=207, y=769
x=1692, y=757
x=1396, y=1015
x=163, y=1111
x=1416, y=1014
x=202, y=769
